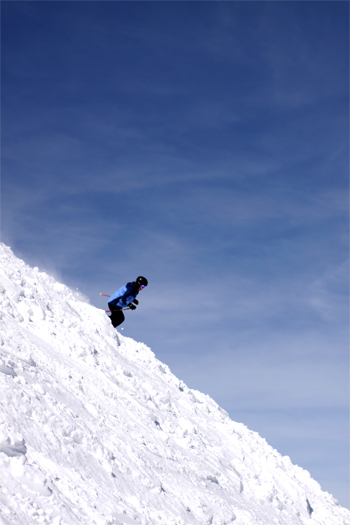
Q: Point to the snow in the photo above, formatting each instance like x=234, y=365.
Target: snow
x=95, y=430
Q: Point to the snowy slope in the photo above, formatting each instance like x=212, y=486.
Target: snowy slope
x=95, y=430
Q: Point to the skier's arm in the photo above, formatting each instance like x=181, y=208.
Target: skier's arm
x=126, y=299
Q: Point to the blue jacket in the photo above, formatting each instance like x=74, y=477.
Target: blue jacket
x=124, y=296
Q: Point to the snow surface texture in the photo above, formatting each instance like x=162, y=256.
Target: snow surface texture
x=95, y=430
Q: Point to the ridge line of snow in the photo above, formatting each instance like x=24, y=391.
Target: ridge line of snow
x=94, y=429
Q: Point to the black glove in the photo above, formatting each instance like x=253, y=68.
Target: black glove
x=135, y=301
x=132, y=306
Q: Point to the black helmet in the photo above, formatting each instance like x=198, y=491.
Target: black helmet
x=141, y=281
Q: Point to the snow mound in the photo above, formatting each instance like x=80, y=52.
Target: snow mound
x=95, y=430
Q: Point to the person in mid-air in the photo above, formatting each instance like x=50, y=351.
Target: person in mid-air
x=123, y=298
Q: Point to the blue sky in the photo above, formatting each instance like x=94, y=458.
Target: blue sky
x=205, y=146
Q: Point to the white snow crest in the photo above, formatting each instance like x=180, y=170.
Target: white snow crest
x=94, y=430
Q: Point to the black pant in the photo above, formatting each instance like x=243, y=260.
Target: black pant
x=117, y=316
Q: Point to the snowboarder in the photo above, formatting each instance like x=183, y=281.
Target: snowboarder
x=125, y=297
